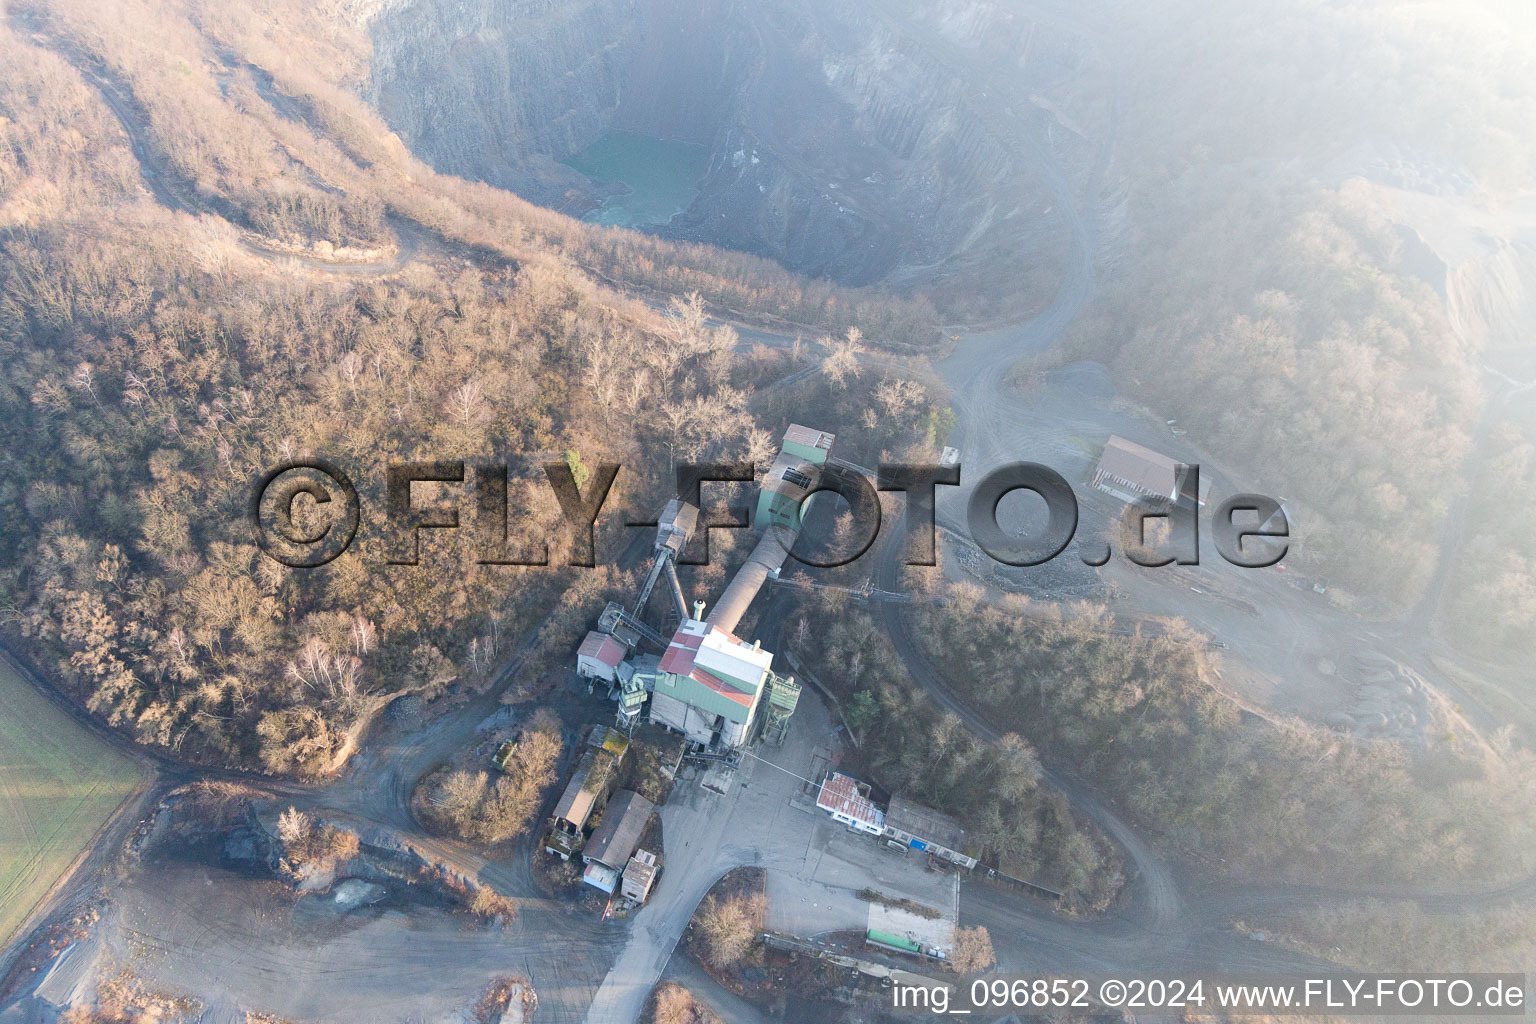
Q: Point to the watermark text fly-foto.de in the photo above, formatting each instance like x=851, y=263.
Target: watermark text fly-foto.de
x=272, y=512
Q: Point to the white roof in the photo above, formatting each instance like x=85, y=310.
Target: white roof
x=602, y=876
x=724, y=655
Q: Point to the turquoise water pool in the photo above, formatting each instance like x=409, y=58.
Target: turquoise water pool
x=662, y=177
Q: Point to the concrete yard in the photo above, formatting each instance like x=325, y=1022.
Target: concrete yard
x=814, y=866
x=819, y=894
x=239, y=943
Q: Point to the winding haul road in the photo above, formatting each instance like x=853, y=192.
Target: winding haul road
x=1169, y=920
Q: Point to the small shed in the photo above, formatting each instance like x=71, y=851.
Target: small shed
x=601, y=876
x=599, y=657
x=848, y=801
x=677, y=523
x=1134, y=472
x=614, y=840
x=639, y=876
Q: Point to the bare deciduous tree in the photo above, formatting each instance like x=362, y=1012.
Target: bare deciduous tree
x=973, y=951
x=729, y=925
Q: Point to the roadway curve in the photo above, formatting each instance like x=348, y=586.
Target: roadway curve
x=1162, y=922
x=1167, y=921
x=1155, y=898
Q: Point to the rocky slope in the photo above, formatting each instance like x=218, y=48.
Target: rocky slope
x=845, y=143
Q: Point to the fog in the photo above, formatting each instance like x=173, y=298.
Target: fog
x=1291, y=244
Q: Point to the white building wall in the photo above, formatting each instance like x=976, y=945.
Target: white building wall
x=669, y=711
x=734, y=734
x=591, y=668
x=700, y=727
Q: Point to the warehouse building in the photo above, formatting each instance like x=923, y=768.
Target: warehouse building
x=848, y=801
x=923, y=828
x=589, y=783
x=707, y=683
x=1133, y=472
x=615, y=839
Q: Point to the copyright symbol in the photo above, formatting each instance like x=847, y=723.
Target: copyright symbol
x=1112, y=992
x=312, y=540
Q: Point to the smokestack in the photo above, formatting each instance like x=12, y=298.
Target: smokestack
x=698, y=610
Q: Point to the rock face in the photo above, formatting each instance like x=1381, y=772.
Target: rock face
x=845, y=142
x=494, y=90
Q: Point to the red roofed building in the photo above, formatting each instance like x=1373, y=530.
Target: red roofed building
x=599, y=657
x=847, y=800
x=710, y=684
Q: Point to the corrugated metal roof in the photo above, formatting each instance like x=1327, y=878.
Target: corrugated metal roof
x=602, y=647
x=678, y=657
x=718, y=660
x=703, y=666
x=724, y=689
x=681, y=515
x=1142, y=468
x=575, y=804
x=843, y=794
x=809, y=436
x=615, y=839
x=925, y=823
x=640, y=872
x=729, y=659
x=601, y=876
x=711, y=700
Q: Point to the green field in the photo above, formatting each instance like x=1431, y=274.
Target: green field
x=58, y=785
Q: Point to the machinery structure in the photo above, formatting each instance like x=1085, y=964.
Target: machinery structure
x=703, y=680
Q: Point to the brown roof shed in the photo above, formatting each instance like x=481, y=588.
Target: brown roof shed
x=615, y=838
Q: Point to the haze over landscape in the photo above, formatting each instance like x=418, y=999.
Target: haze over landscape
x=467, y=253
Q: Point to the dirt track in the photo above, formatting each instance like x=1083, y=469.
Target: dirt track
x=186, y=921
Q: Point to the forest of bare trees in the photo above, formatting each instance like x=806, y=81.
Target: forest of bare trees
x=280, y=144
x=154, y=368
x=157, y=368
x=484, y=807
x=1313, y=366
x=910, y=747
x=1142, y=716
x=1493, y=606
x=152, y=414
x=1263, y=297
